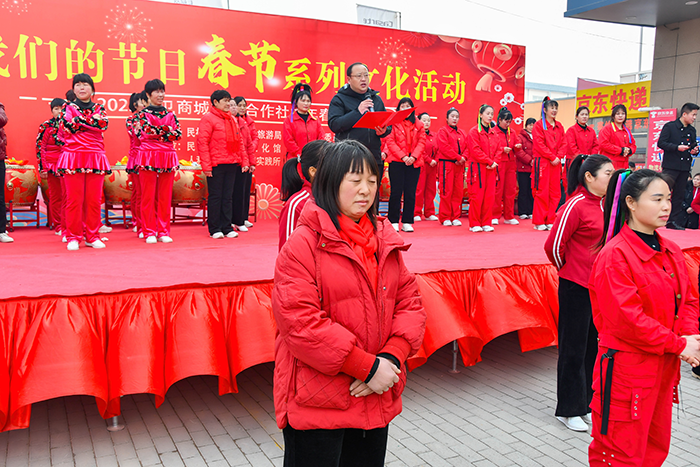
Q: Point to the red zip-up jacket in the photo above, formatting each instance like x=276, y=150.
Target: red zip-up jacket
x=580, y=140
x=550, y=143
x=509, y=139
x=333, y=321
x=483, y=146
x=430, y=149
x=297, y=132
x=611, y=140
x=635, y=292
x=524, y=155
x=211, y=142
x=291, y=211
x=397, y=142
x=452, y=143
x=249, y=138
x=577, y=228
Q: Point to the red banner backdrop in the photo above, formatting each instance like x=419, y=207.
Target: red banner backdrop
x=196, y=50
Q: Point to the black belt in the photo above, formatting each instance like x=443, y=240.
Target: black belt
x=448, y=160
x=608, y=384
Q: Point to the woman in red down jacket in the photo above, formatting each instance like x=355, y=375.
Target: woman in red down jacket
x=646, y=313
x=244, y=175
x=348, y=313
x=427, y=189
x=221, y=154
x=404, y=145
x=452, y=155
x=616, y=140
x=507, y=183
x=524, y=168
x=301, y=127
x=580, y=139
x=483, y=152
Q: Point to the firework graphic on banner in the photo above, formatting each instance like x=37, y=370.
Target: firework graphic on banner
x=14, y=6
x=127, y=25
x=393, y=53
x=269, y=202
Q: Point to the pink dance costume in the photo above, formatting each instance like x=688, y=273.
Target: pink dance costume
x=132, y=170
x=157, y=163
x=48, y=149
x=83, y=165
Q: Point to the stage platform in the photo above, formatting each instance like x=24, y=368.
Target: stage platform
x=136, y=318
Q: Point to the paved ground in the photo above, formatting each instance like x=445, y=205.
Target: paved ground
x=499, y=412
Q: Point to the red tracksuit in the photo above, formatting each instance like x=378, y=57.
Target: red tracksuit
x=507, y=182
x=132, y=170
x=48, y=150
x=291, y=211
x=157, y=163
x=612, y=140
x=451, y=146
x=297, y=132
x=642, y=302
x=426, y=190
x=579, y=140
x=547, y=145
x=483, y=152
x=83, y=164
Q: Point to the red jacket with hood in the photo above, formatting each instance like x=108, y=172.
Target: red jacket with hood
x=297, y=132
x=397, y=143
x=332, y=323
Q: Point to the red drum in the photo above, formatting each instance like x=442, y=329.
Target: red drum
x=117, y=186
x=189, y=185
x=21, y=185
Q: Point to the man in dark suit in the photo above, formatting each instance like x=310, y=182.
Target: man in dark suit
x=678, y=140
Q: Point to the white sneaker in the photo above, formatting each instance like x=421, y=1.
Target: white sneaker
x=241, y=228
x=217, y=235
x=97, y=244
x=540, y=227
x=457, y=222
x=248, y=224
x=511, y=221
x=4, y=238
x=476, y=229
x=549, y=226
x=587, y=418
x=487, y=228
x=447, y=223
x=407, y=228
x=135, y=229
x=494, y=221
x=141, y=235
x=232, y=234
x=416, y=219
x=64, y=239
x=151, y=239
x=58, y=232
x=73, y=245
x=433, y=218
x=105, y=229
x=523, y=216
x=395, y=226
x=574, y=423
x=165, y=239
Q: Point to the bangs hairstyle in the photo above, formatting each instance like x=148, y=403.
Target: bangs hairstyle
x=219, y=94
x=581, y=109
x=407, y=100
x=576, y=176
x=624, y=183
x=154, y=85
x=310, y=157
x=616, y=109
x=339, y=159
x=83, y=78
x=239, y=99
x=56, y=102
x=530, y=121
x=135, y=98
x=299, y=91
x=505, y=114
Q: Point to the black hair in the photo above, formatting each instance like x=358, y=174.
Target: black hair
x=547, y=103
x=631, y=165
x=633, y=184
x=407, y=100
x=505, y=114
x=696, y=175
x=483, y=109
x=135, y=98
x=349, y=70
x=339, y=159
x=530, y=121
x=421, y=115
x=219, y=94
x=56, y=102
x=581, y=109
x=70, y=95
x=689, y=107
x=616, y=109
x=154, y=85
x=239, y=99
x=450, y=110
x=310, y=155
x=582, y=164
x=299, y=91
x=84, y=78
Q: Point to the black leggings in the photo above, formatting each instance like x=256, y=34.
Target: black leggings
x=345, y=447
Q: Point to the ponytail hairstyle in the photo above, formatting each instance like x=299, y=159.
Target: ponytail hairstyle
x=135, y=98
x=407, y=100
x=310, y=157
x=624, y=183
x=616, y=109
x=482, y=109
x=583, y=163
x=547, y=103
x=299, y=91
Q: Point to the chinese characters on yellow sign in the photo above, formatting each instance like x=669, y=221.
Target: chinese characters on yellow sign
x=601, y=100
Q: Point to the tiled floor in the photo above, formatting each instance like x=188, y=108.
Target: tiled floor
x=499, y=412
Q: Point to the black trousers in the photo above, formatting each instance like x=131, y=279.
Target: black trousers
x=240, y=197
x=248, y=180
x=404, y=181
x=680, y=179
x=578, y=346
x=220, y=201
x=347, y=447
x=525, y=198
x=3, y=212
